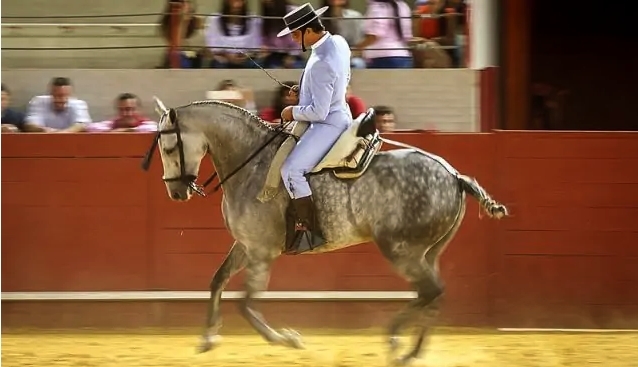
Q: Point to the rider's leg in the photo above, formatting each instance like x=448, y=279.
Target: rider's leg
x=309, y=151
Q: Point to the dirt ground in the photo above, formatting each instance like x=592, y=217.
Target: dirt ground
x=446, y=350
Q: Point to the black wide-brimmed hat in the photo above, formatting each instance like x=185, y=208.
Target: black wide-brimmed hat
x=299, y=17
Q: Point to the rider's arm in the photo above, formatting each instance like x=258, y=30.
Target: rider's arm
x=322, y=81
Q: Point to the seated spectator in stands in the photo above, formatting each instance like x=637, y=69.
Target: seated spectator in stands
x=12, y=120
x=57, y=111
x=283, y=98
x=243, y=98
x=229, y=29
x=384, y=119
x=447, y=16
x=392, y=34
x=190, y=25
x=273, y=54
x=356, y=104
x=348, y=24
x=128, y=118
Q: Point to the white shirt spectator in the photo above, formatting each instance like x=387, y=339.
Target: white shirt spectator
x=40, y=112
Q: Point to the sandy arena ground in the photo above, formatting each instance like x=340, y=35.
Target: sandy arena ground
x=446, y=350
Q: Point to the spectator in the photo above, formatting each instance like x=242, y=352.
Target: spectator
x=57, y=111
x=230, y=33
x=447, y=16
x=128, y=117
x=384, y=119
x=190, y=24
x=282, y=99
x=243, y=98
x=392, y=34
x=356, y=104
x=269, y=57
x=12, y=120
x=348, y=24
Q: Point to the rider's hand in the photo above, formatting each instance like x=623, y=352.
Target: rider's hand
x=294, y=91
x=286, y=114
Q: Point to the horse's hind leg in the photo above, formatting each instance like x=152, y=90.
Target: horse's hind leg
x=257, y=276
x=423, y=309
x=427, y=309
x=235, y=261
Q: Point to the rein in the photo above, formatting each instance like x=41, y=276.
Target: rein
x=200, y=189
x=293, y=88
x=190, y=180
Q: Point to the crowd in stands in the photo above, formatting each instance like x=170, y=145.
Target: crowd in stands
x=388, y=35
x=62, y=112
x=232, y=30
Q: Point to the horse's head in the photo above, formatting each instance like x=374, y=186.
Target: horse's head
x=181, y=148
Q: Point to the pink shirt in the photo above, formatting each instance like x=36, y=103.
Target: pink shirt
x=385, y=30
x=96, y=127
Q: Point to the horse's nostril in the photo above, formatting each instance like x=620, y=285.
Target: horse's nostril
x=176, y=196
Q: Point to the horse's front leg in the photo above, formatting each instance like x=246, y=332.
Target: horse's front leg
x=235, y=261
x=257, y=277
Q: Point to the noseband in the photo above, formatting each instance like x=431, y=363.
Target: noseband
x=190, y=180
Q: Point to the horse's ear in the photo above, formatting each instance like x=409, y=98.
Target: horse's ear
x=160, y=108
x=172, y=115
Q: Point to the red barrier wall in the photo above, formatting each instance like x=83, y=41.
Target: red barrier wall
x=78, y=214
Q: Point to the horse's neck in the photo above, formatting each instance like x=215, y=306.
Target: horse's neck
x=233, y=142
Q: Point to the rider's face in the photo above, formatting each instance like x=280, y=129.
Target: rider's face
x=296, y=36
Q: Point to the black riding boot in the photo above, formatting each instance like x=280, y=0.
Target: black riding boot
x=307, y=232
x=305, y=213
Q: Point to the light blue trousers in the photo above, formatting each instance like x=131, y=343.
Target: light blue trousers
x=314, y=144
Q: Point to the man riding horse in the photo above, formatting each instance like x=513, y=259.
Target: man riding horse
x=421, y=193
x=322, y=103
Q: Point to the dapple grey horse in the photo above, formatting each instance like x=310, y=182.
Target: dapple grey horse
x=409, y=202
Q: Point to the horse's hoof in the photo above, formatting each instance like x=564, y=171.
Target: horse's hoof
x=291, y=338
x=404, y=360
x=209, y=343
x=393, y=343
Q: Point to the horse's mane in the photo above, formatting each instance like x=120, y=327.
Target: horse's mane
x=242, y=110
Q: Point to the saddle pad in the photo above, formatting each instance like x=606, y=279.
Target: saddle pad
x=273, y=178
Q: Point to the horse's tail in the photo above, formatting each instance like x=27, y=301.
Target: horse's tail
x=491, y=206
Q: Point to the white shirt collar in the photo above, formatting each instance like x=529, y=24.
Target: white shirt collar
x=321, y=40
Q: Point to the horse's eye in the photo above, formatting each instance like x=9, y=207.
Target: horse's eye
x=169, y=151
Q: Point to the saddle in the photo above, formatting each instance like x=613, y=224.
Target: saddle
x=348, y=158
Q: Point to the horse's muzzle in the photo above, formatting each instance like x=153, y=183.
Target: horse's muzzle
x=179, y=191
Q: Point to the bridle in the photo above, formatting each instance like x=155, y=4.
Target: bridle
x=188, y=179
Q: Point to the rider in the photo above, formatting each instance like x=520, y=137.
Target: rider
x=322, y=103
